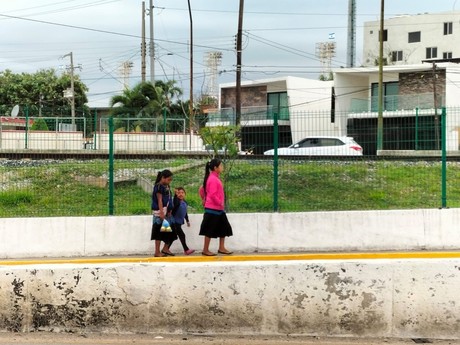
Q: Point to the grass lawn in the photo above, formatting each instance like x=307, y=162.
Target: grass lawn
x=58, y=188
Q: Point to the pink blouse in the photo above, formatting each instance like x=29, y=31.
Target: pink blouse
x=214, y=197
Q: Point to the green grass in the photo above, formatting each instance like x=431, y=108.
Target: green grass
x=52, y=189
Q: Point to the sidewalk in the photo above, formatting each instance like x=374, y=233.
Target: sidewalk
x=153, y=339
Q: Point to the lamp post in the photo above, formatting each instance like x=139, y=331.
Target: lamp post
x=72, y=88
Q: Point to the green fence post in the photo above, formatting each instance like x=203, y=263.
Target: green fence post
x=416, y=128
x=444, y=160
x=275, y=162
x=111, y=184
x=26, y=144
x=95, y=129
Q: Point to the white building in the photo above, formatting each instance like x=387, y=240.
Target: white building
x=295, y=101
x=413, y=96
x=412, y=38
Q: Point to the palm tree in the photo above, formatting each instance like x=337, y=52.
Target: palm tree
x=145, y=100
x=169, y=91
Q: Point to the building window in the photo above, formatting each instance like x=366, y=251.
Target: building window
x=396, y=55
x=279, y=103
x=431, y=52
x=385, y=35
x=415, y=36
x=448, y=28
x=390, y=96
x=447, y=55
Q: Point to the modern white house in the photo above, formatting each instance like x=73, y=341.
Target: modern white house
x=290, y=99
x=410, y=39
x=413, y=98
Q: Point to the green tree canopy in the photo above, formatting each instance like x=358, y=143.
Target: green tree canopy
x=146, y=100
x=43, y=89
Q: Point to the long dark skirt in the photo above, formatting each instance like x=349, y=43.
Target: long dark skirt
x=215, y=224
x=157, y=234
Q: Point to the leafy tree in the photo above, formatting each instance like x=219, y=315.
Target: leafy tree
x=39, y=125
x=221, y=141
x=43, y=90
x=145, y=100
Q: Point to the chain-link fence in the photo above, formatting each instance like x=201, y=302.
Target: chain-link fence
x=91, y=165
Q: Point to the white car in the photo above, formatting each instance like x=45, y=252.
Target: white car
x=321, y=146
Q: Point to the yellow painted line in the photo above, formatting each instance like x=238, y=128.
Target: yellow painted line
x=242, y=258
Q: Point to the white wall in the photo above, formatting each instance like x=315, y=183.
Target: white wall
x=41, y=140
x=310, y=106
x=144, y=141
x=262, y=232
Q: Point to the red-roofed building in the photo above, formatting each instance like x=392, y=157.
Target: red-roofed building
x=13, y=123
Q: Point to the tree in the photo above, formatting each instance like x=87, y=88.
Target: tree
x=42, y=92
x=39, y=125
x=146, y=100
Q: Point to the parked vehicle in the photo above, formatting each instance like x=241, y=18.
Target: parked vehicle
x=321, y=146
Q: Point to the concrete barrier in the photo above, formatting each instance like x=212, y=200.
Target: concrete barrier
x=384, y=296
x=361, y=298
x=432, y=229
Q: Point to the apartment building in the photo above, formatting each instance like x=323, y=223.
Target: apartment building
x=410, y=39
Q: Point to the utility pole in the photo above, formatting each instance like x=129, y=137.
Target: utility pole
x=152, y=46
x=380, y=100
x=72, y=88
x=239, y=38
x=191, y=118
x=143, y=43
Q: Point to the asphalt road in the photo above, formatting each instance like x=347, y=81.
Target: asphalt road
x=152, y=339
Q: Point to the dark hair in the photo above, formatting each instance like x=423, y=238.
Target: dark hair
x=180, y=188
x=210, y=166
x=163, y=174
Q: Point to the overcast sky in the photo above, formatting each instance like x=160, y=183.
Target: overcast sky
x=279, y=37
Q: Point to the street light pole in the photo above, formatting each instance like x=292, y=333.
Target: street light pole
x=72, y=88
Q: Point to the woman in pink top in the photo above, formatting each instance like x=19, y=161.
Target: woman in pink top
x=215, y=223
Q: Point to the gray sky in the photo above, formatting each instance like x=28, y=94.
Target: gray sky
x=279, y=37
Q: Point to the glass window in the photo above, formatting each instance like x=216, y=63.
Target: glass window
x=431, y=52
x=397, y=55
x=390, y=96
x=448, y=28
x=279, y=103
x=310, y=142
x=414, y=36
x=447, y=55
x=330, y=142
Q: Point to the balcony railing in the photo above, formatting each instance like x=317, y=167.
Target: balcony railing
x=399, y=102
x=256, y=113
